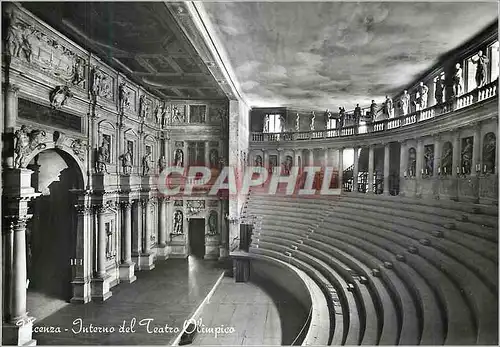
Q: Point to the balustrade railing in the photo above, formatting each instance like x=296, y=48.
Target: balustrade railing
x=478, y=95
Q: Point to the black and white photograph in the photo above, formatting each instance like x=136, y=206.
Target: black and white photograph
x=245, y=173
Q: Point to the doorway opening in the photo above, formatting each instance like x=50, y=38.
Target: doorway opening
x=197, y=237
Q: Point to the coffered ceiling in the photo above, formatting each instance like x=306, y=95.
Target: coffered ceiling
x=141, y=39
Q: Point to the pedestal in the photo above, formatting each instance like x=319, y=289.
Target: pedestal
x=468, y=189
x=212, y=244
x=82, y=291
x=127, y=274
x=176, y=247
x=19, y=334
x=162, y=252
x=241, y=269
x=448, y=188
x=488, y=190
x=146, y=261
x=100, y=289
x=223, y=252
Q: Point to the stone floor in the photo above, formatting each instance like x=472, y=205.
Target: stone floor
x=244, y=307
x=167, y=295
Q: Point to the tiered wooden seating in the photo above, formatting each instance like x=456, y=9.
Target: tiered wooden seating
x=406, y=271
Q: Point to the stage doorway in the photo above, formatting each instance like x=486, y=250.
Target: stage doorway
x=197, y=237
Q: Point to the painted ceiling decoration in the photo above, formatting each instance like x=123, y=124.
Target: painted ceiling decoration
x=328, y=54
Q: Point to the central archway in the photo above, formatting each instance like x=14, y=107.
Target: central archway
x=51, y=231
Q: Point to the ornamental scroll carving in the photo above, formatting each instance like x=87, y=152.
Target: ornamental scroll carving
x=27, y=43
x=25, y=143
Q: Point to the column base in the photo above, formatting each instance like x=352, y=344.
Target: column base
x=127, y=272
x=100, y=289
x=161, y=252
x=82, y=291
x=223, y=253
x=177, y=248
x=144, y=261
x=212, y=245
x=18, y=334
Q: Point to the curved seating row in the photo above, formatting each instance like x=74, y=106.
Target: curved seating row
x=406, y=271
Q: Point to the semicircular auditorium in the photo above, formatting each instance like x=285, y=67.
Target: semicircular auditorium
x=243, y=173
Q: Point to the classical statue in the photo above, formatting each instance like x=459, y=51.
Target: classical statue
x=481, y=62
x=145, y=163
x=412, y=161
x=467, y=157
x=59, y=95
x=224, y=120
x=266, y=124
x=439, y=93
x=405, y=102
x=214, y=158
x=297, y=122
x=313, y=119
x=162, y=163
x=17, y=38
x=373, y=110
x=457, y=80
x=212, y=224
x=179, y=158
x=127, y=162
x=21, y=148
x=282, y=124
x=78, y=72
x=102, y=157
x=160, y=109
x=143, y=106
x=123, y=97
x=78, y=148
x=489, y=153
x=447, y=159
x=287, y=165
x=177, y=115
x=429, y=159
x=178, y=221
x=389, y=107
x=422, y=91
x=341, y=121
x=258, y=161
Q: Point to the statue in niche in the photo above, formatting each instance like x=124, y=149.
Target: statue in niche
x=179, y=158
x=266, y=124
x=214, y=158
x=162, y=163
x=467, y=157
x=258, y=161
x=389, y=107
x=405, y=102
x=178, y=117
x=224, y=120
x=481, y=62
x=127, y=162
x=287, y=165
x=457, y=80
x=102, y=157
x=489, y=153
x=26, y=142
x=109, y=241
x=422, y=96
x=123, y=97
x=159, y=112
x=17, y=38
x=429, y=160
x=297, y=122
x=313, y=119
x=78, y=72
x=439, y=93
x=143, y=106
x=447, y=159
x=178, y=221
x=145, y=162
x=59, y=96
x=412, y=162
x=212, y=223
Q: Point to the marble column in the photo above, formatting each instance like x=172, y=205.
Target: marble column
x=370, y=168
x=437, y=155
x=403, y=167
x=127, y=266
x=456, y=155
x=341, y=168
x=10, y=117
x=82, y=273
x=162, y=232
x=387, y=162
x=311, y=157
x=19, y=274
x=325, y=157
x=146, y=259
x=207, y=153
x=420, y=159
x=100, y=284
x=355, y=170
x=476, y=151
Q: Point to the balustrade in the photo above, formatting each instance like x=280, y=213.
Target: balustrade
x=351, y=129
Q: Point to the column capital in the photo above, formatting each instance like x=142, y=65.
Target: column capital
x=83, y=208
x=102, y=208
x=16, y=223
x=126, y=205
x=10, y=87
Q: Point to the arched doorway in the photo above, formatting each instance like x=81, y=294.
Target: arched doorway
x=51, y=231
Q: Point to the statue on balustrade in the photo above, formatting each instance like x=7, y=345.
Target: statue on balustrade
x=429, y=159
x=467, y=157
x=389, y=107
x=423, y=91
x=178, y=221
x=179, y=158
x=258, y=161
x=162, y=163
x=439, y=93
x=405, y=102
x=341, y=120
x=357, y=113
x=297, y=122
x=127, y=162
x=102, y=157
x=447, y=159
x=489, y=153
x=313, y=119
x=481, y=62
x=282, y=124
x=373, y=110
x=412, y=162
x=457, y=80
x=266, y=124
x=145, y=163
